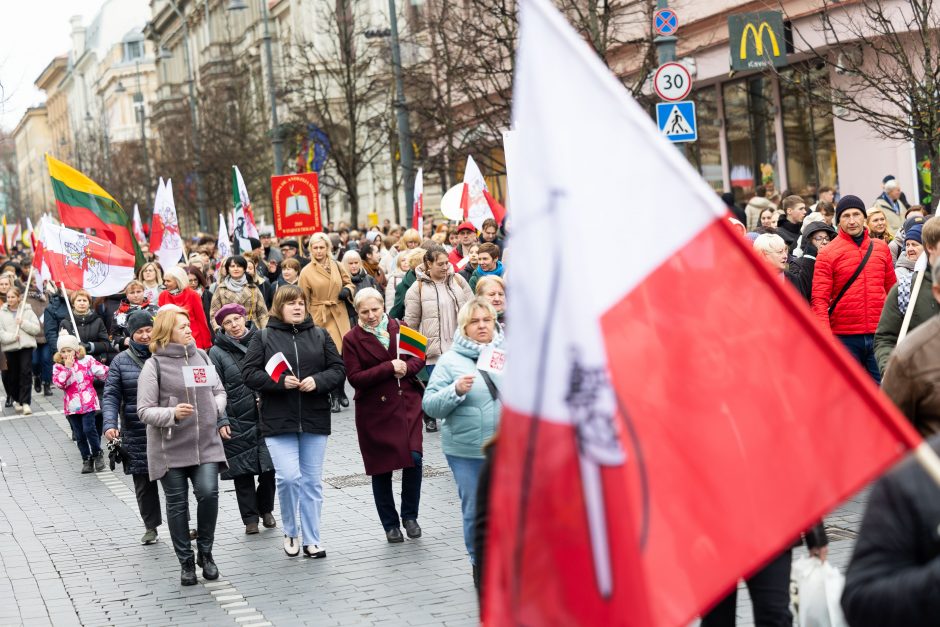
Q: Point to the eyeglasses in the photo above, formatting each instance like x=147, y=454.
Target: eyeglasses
x=818, y=239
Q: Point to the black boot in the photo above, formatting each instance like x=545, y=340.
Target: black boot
x=476, y=576
x=88, y=466
x=334, y=404
x=8, y=403
x=46, y=389
x=209, y=570
x=343, y=399
x=37, y=384
x=188, y=573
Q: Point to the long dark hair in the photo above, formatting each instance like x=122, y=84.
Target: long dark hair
x=200, y=276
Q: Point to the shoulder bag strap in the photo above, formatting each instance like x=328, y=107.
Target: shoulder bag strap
x=134, y=356
x=489, y=384
x=848, y=284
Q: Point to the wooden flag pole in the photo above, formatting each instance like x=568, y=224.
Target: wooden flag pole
x=68, y=305
x=914, y=292
x=928, y=460
x=398, y=354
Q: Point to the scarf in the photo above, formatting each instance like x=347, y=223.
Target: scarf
x=141, y=349
x=380, y=331
x=371, y=267
x=236, y=286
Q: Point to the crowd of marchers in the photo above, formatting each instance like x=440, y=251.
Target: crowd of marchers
x=232, y=367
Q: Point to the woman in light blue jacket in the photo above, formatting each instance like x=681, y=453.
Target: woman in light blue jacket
x=467, y=400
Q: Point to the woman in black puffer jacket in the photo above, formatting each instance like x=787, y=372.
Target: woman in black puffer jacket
x=119, y=405
x=245, y=450
x=295, y=410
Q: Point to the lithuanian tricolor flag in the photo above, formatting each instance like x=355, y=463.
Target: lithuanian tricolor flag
x=412, y=342
x=84, y=204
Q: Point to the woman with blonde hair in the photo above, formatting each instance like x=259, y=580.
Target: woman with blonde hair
x=151, y=275
x=183, y=441
x=492, y=288
x=327, y=287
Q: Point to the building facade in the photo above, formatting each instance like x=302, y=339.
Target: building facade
x=33, y=139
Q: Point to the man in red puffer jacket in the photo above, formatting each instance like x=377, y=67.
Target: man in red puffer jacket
x=854, y=317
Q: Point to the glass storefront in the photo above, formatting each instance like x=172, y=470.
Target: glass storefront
x=809, y=136
x=749, y=127
x=705, y=154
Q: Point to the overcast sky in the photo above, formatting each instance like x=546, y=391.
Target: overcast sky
x=32, y=33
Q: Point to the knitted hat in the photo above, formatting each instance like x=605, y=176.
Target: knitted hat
x=910, y=222
x=66, y=340
x=888, y=177
x=850, y=202
x=225, y=310
x=138, y=320
x=179, y=275
x=914, y=233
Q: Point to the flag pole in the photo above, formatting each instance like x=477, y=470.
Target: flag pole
x=398, y=354
x=68, y=306
x=19, y=314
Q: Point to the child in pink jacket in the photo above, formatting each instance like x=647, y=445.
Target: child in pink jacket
x=75, y=373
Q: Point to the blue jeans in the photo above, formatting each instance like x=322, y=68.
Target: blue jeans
x=298, y=468
x=410, y=494
x=862, y=348
x=85, y=434
x=42, y=363
x=467, y=475
x=205, y=480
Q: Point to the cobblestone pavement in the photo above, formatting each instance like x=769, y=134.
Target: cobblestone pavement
x=70, y=552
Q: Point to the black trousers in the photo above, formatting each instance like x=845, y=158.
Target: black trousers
x=205, y=481
x=252, y=502
x=410, y=494
x=148, y=501
x=770, y=597
x=19, y=375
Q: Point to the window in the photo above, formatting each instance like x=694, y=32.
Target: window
x=807, y=130
x=752, y=144
x=133, y=50
x=705, y=154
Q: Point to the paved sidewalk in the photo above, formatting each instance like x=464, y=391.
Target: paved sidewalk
x=70, y=554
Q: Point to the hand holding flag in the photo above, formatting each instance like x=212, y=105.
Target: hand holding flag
x=276, y=366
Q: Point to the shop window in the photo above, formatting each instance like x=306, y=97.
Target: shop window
x=807, y=130
x=749, y=127
x=705, y=154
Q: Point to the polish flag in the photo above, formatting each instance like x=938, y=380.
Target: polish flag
x=276, y=366
x=477, y=203
x=417, y=214
x=138, y=226
x=648, y=454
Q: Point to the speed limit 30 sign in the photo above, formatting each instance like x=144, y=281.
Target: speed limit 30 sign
x=672, y=82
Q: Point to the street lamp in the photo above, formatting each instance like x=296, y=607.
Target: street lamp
x=276, y=139
x=197, y=154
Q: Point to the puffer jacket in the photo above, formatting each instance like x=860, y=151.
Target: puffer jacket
x=191, y=441
x=13, y=339
x=910, y=378
x=423, y=306
x=119, y=406
x=892, y=315
x=469, y=421
x=93, y=334
x=860, y=308
x=56, y=311
x=245, y=451
x=310, y=351
x=892, y=578
x=78, y=383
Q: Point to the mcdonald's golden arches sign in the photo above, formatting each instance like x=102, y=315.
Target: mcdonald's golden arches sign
x=757, y=40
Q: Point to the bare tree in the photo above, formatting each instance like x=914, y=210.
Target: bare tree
x=9, y=179
x=886, y=58
x=341, y=83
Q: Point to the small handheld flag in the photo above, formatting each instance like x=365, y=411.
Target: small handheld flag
x=412, y=343
x=276, y=366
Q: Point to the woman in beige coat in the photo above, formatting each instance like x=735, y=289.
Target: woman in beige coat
x=19, y=327
x=327, y=287
x=240, y=288
x=431, y=307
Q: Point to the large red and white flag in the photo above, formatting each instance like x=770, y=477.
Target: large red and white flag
x=648, y=457
x=39, y=262
x=417, y=213
x=166, y=242
x=477, y=203
x=84, y=262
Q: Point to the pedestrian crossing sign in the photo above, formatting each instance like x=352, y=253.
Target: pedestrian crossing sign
x=676, y=121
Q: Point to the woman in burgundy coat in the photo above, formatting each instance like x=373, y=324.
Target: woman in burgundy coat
x=388, y=412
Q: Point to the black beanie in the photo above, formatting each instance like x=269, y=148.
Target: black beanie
x=850, y=202
x=137, y=320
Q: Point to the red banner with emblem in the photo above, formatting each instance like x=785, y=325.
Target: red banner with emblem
x=296, y=202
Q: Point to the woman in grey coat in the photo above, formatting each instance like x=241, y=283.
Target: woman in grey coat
x=183, y=441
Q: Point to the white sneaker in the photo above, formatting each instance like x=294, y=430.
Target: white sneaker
x=291, y=546
x=314, y=551
x=17, y=407
x=26, y=410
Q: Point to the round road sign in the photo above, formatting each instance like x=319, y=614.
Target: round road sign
x=665, y=22
x=672, y=82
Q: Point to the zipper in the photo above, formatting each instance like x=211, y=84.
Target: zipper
x=300, y=424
